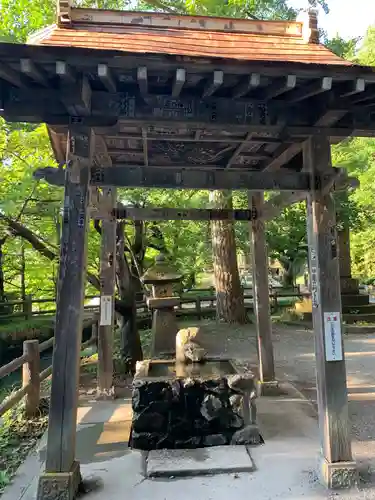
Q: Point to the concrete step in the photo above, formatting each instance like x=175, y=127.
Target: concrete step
x=358, y=309
x=354, y=300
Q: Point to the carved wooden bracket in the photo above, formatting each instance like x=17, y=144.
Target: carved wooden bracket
x=309, y=20
x=64, y=8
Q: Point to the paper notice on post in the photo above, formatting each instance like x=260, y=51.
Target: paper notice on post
x=106, y=310
x=332, y=336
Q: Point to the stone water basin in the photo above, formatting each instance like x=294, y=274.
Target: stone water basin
x=178, y=405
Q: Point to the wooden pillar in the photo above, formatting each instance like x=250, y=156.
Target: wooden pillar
x=30, y=377
x=338, y=469
x=62, y=474
x=261, y=292
x=107, y=298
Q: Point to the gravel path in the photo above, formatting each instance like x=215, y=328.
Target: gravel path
x=295, y=360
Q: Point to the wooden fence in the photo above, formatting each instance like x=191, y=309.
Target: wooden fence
x=32, y=307
x=203, y=300
x=202, y=306
x=32, y=377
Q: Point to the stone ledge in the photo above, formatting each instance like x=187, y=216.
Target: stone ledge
x=60, y=485
x=198, y=462
x=338, y=475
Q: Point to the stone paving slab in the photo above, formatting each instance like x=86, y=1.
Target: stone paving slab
x=198, y=462
x=95, y=412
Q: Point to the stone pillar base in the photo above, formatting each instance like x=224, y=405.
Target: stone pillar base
x=338, y=475
x=60, y=485
x=270, y=388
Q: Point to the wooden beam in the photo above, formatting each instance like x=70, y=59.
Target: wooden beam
x=30, y=69
x=215, y=81
x=107, y=297
x=193, y=177
x=10, y=75
x=193, y=23
x=283, y=154
x=197, y=137
x=367, y=95
x=261, y=292
x=145, y=146
x=330, y=117
x=309, y=90
x=65, y=72
x=106, y=77
x=332, y=393
x=279, y=87
x=69, y=310
x=142, y=80
x=234, y=114
x=239, y=149
x=178, y=82
x=276, y=204
x=336, y=179
x=122, y=152
x=352, y=87
x=77, y=98
x=245, y=87
x=198, y=214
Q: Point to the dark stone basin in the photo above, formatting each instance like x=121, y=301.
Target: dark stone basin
x=191, y=405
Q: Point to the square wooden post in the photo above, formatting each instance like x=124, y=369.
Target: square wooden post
x=62, y=475
x=338, y=469
x=107, y=298
x=261, y=293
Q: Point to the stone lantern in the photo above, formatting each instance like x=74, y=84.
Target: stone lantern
x=164, y=324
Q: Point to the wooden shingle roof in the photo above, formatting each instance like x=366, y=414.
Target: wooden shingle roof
x=245, y=40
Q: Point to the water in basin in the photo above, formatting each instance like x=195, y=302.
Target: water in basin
x=207, y=369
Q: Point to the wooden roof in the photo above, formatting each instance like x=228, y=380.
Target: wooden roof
x=245, y=40
x=165, y=90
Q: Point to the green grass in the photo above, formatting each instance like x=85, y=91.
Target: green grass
x=20, y=328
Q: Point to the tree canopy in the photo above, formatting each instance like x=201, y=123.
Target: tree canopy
x=30, y=212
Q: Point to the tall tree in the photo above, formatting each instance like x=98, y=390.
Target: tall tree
x=230, y=302
x=230, y=305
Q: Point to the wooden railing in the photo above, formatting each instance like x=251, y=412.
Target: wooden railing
x=205, y=305
x=28, y=309
x=199, y=309
x=31, y=375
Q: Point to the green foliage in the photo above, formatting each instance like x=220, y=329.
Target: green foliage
x=20, y=18
x=343, y=48
x=260, y=9
x=18, y=436
x=26, y=328
x=286, y=238
x=366, y=54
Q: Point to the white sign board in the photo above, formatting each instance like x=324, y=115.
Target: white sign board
x=106, y=310
x=332, y=336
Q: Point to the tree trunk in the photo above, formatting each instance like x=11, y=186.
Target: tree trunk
x=23, y=273
x=2, y=287
x=131, y=349
x=230, y=302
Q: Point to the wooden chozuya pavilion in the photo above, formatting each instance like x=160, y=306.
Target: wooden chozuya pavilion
x=159, y=100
